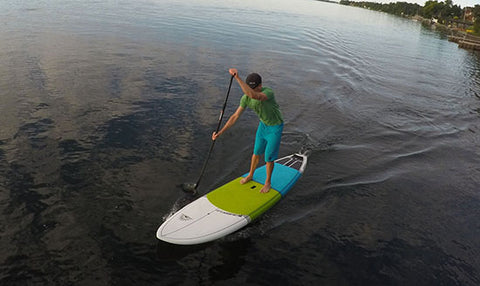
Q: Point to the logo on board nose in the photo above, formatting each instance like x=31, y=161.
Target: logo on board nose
x=185, y=217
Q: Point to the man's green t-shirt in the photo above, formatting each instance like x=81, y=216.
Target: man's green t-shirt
x=268, y=111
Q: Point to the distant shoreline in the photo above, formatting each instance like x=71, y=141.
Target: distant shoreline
x=463, y=39
x=453, y=27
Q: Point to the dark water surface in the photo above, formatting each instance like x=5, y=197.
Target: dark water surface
x=107, y=106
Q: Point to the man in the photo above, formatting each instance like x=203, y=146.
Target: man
x=269, y=133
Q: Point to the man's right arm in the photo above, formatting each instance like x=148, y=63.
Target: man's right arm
x=231, y=121
x=246, y=89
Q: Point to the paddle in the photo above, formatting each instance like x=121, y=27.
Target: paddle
x=192, y=187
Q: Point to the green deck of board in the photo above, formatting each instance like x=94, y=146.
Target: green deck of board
x=243, y=199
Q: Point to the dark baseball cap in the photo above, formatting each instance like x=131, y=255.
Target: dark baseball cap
x=253, y=80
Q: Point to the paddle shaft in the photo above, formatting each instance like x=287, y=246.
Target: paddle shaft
x=216, y=131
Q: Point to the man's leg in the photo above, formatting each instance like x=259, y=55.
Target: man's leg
x=271, y=153
x=258, y=150
x=253, y=166
x=268, y=180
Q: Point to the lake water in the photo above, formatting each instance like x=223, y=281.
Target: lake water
x=106, y=107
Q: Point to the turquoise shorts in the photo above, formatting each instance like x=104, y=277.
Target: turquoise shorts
x=267, y=141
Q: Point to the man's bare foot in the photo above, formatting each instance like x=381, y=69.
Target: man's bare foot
x=266, y=188
x=246, y=179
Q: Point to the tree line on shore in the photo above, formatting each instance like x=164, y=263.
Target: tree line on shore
x=444, y=12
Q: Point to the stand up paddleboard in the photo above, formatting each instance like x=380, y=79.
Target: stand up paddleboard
x=231, y=206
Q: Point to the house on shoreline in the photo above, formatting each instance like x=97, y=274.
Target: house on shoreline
x=468, y=15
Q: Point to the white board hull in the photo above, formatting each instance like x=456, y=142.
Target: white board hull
x=199, y=222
